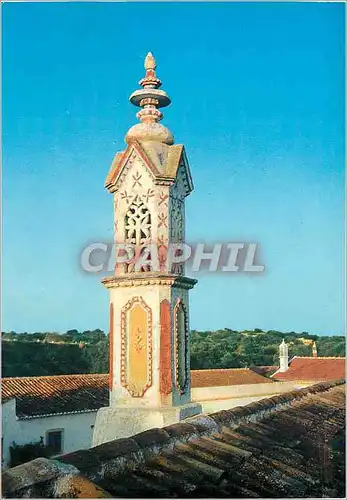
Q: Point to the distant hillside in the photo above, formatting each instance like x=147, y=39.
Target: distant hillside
x=49, y=353
x=231, y=349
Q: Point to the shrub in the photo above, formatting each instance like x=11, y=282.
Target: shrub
x=19, y=454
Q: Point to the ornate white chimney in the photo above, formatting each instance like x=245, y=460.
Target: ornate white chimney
x=283, y=357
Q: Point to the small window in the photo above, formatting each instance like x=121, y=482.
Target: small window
x=54, y=439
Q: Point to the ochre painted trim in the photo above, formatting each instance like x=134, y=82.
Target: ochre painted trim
x=127, y=348
x=165, y=375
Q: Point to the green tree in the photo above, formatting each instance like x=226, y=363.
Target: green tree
x=224, y=348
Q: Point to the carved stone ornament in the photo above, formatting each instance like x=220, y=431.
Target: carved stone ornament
x=136, y=347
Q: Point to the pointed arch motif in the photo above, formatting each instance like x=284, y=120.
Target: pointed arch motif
x=138, y=229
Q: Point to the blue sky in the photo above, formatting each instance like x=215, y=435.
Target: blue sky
x=258, y=100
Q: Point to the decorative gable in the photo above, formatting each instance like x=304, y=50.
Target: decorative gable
x=162, y=162
x=123, y=162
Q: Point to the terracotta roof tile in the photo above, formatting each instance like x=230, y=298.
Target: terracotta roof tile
x=276, y=449
x=37, y=396
x=232, y=376
x=314, y=369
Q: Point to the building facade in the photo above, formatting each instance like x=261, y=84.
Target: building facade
x=63, y=433
x=58, y=411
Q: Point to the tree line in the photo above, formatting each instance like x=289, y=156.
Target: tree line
x=48, y=353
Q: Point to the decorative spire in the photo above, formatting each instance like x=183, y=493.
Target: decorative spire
x=150, y=99
x=150, y=61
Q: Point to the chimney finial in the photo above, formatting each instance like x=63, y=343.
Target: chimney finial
x=150, y=99
x=150, y=62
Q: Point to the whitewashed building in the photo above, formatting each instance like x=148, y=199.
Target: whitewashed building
x=60, y=410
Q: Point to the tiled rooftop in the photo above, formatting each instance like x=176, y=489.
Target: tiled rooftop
x=38, y=396
x=291, y=445
x=232, y=376
x=313, y=369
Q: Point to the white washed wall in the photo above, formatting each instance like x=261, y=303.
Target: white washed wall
x=9, y=429
x=77, y=430
x=202, y=394
x=226, y=398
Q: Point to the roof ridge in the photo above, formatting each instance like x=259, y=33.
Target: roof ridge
x=75, y=375
x=319, y=357
x=147, y=156
x=99, y=375
x=199, y=425
x=220, y=369
x=46, y=377
x=116, y=462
